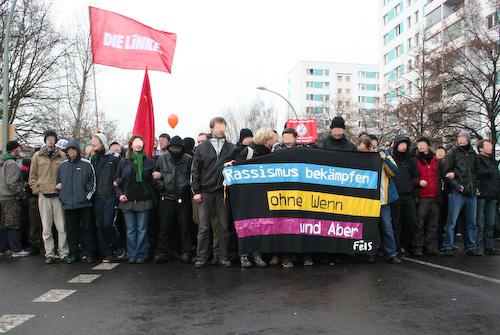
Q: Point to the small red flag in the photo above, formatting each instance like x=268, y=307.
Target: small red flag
x=122, y=42
x=145, y=119
x=307, y=130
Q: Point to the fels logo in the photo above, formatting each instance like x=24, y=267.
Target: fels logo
x=301, y=129
x=361, y=245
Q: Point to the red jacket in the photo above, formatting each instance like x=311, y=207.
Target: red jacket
x=430, y=172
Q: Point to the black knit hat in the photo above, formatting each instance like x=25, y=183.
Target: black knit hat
x=176, y=140
x=49, y=133
x=189, y=143
x=244, y=133
x=12, y=145
x=424, y=139
x=338, y=122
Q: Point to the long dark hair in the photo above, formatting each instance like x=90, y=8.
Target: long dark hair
x=130, y=150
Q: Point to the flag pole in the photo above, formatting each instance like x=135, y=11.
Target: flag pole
x=95, y=99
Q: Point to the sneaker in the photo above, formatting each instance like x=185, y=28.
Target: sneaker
x=448, y=253
x=394, y=260
x=160, y=259
x=6, y=253
x=259, y=261
x=107, y=259
x=186, y=258
x=245, y=262
x=371, y=259
x=121, y=254
x=68, y=259
x=492, y=252
x=132, y=260
x=225, y=263
x=21, y=253
x=49, y=260
x=200, y=264
x=140, y=261
x=89, y=260
x=473, y=252
x=308, y=261
x=454, y=247
x=287, y=264
x=275, y=260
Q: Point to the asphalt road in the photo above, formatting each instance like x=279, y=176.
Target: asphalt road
x=349, y=298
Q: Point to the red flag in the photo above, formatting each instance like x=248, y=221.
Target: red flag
x=145, y=119
x=307, y=130
x=122, y=42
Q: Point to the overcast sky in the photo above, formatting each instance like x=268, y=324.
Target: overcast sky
x=225, y=49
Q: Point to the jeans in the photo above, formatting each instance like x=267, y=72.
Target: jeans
x=10, y=238
x=137, y=233
x=105, y=214
x=388, y=242
x=76, y=218
x=456, y=201
x=486, y=215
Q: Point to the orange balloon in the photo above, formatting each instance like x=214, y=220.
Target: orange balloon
x=173, y=120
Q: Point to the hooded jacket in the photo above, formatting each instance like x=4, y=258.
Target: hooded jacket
x=488, y=177
x=175, y=173
x=331, y=143
x=430, y=170
x=257, y=150
x=78, y=180
x=408, y=175
x=105, y=164
x=10, y=179
x=462, y=162
x=208, y=163
x=43, y=171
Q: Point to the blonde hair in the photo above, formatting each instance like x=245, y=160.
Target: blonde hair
x=263, y=135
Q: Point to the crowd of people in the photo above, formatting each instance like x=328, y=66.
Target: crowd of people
x=113, y=202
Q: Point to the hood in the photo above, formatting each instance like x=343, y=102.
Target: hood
x=75, y=145
x=177, y=141
x=399, y=139
x=104, y=141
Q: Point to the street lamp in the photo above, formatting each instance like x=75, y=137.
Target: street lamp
x=262, y=88
x=5, y=117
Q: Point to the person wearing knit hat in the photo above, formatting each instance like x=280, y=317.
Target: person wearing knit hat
x=424, y=139
x=189, y=144
x=336, y=140
x=61, y=144
x=246, y=136
x=105, y=164
x=460, y=170
x=12, y=145
x=42, y=180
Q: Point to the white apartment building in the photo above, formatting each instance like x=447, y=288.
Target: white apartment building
x=325, y=89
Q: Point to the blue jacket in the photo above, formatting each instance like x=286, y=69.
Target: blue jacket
x=78, y=181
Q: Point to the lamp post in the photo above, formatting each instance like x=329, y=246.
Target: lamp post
x=5, y=117
x=262, y=88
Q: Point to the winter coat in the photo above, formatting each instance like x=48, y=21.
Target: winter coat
x=43, y=171
x=462, y=161
x=331, y=143
x=488, y=177
x=10, y=179
x=126, y=171
x=175, y=175
x=430, y=171
x=408, y=176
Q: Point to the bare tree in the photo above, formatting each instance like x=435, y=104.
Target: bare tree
x=471, y=68
x=255, y=116
x=36, y=52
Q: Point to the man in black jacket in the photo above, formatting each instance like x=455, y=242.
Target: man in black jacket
x=76, y=186
x=489, y=180
x=171, y=176
x=336, y=140
x=206, y=181
x=105, y=164
x=460, y=170
x=403, y=210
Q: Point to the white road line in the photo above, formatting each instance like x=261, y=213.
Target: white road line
x=83, y=279
x=446, y=268
x=54, y=296
x=105, y=266
x=11, y=321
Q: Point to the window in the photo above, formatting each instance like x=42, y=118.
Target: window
x=492, y=20
x=339, y=91
x=361, y=99
x=417, y=39
x=408, y=44
x=339, y=104
x=408, y=3
x=362, y=87
x=386, y=18
x=386, y=38
x=398, y=29
x=309, y=72
x=416, y=17
x=347, y=78
x=327, y=72
x=339, y=78
x=408, y=21
x=396, y=10
x=309, y=96
x=409, y=65
x=348, y=104
x=348, y=91
x=361, y=74
x=309, y=110
x=327, y=84
x=327, y=97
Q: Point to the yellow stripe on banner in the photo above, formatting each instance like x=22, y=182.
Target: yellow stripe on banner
x=296, y=200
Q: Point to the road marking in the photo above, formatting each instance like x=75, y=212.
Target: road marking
x=11, y=321
x=105, y=266
x=54, y=296
x=83, y=279
x=446, y=268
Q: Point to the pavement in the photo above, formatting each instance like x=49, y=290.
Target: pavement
x=459, y=295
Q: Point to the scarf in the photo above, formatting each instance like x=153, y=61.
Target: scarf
x=137, y=158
